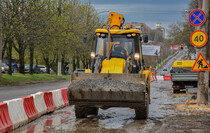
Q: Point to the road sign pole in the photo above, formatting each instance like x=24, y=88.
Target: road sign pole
x=203, y=76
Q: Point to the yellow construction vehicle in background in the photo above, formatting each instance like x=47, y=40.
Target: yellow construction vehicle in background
x=116, y=77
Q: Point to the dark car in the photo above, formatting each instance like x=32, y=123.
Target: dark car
x=36, y=69
x=164, y=69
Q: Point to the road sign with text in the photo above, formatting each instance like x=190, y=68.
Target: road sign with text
x=200, y=64
x=198, y=38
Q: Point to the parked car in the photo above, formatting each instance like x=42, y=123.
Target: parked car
x=4, y=68
x=42, y=68
x=163, y=73
x=27, y=68
x=164, y=69
x=37, y=68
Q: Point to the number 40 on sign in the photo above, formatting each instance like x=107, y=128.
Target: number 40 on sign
x=198, y=38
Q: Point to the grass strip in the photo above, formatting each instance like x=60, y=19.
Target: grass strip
x=25, y=78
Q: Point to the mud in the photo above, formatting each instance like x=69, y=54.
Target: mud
x=106, y=90
x=105, y=84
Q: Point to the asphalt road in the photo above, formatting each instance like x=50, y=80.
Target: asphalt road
x=10, y=92
x=169, y=64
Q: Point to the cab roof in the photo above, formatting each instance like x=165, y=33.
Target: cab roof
x=186, y=63
x=118, y=31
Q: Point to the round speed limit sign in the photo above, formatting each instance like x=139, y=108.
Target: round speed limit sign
x=198, y=38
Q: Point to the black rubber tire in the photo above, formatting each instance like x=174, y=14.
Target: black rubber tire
x=80, y=112
x=176, y=90
x=83, y=112
x=92, y=110
x=142, y=112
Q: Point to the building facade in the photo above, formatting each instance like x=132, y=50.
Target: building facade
x=141, y=26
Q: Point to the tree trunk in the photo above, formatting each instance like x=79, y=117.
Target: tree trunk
x=83, y=63
x=86, y=63
x=9, y=53
x=37, y=62
x=21, y=61
x=63, y=68
x=4, y=49
x=21, y=51
x=48, y=68
x=74, y=63
x=77, y=62
x=59, y=63
x=47, y=64
x=31, y=71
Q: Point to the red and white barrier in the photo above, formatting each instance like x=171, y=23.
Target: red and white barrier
x=5, y=121
x=48, y=98
x=40, y=103
x=17, y=112
x=64, y=95
x=153, y=77
x=58, y=99
x=30, y=109
x=167, y=77
x=160, y=78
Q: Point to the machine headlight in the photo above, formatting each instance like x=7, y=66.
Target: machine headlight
x=98, y=34
x=129, y=35
x=133, y=34
x=103, y=35
x=136, y=56
x=92, y=55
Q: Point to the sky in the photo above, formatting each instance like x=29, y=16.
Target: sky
x=149, y=12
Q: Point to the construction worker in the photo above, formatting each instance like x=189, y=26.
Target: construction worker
x=182, y=46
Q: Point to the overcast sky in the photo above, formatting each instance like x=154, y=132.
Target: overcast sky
x=149, y=12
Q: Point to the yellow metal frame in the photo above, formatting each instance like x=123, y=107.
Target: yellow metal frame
x=114, y=21
x=148, y=77
x=118, y=31
x=186, y=63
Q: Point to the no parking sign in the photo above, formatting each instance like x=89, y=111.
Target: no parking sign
x=197, y=17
